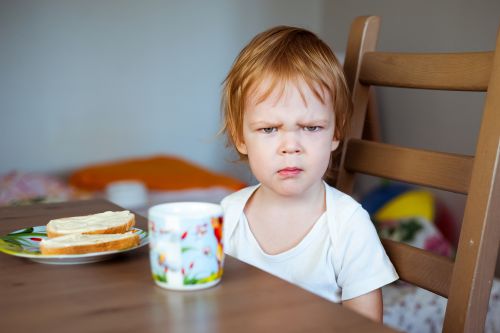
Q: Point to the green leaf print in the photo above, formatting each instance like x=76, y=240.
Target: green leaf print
x=160, y=278
x=22, y=232
x=11, y=240
x=10, y=245
x=404, y=231
x=409, y=229
x=191, y=280
x=185, y=249
x=22, y=240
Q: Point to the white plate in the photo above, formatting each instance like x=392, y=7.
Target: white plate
x=26, y=243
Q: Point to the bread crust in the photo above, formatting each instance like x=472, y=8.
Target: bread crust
x=112, y=230
x=112, y=245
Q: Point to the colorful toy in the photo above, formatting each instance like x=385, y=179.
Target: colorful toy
x=394, y=202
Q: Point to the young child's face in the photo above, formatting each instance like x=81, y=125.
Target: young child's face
x=288, y=138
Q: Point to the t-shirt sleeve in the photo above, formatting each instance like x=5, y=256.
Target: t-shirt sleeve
x=364, y=265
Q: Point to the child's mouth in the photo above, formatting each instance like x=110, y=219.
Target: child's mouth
x=289, y=171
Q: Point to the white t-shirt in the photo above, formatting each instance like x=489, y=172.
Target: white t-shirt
x=340, y=258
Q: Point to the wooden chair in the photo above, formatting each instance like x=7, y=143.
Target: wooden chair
x=466, y=281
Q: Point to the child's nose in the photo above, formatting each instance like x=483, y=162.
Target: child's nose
x=291, y=151
x=290, y=144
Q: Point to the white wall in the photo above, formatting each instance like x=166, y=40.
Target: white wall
x=90, y=81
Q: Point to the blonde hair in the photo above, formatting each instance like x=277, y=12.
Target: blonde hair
x=283, y=54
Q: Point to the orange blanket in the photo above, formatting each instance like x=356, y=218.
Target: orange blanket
x=164, y=173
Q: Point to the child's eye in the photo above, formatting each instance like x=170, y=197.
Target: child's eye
x=312, y=128
x=268, y=130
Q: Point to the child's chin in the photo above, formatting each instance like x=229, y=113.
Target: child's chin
x=290, y=189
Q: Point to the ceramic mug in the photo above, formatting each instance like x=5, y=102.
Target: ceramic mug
x=185, y=244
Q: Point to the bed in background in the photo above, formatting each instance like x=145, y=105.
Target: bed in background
x=137, y=184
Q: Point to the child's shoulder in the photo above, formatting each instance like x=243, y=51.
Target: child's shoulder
x=338, y=197
x=238, y=197
x=342, y=208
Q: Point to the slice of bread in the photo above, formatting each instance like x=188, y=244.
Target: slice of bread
x=80, y=243
x=101, y=223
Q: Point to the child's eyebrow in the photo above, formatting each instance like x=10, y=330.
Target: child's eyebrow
x=264, y=123
x=304, y=122
x=315, y=120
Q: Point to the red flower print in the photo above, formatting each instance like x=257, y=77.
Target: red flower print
x=36, y=239
x=217, y=226
x=184, y=235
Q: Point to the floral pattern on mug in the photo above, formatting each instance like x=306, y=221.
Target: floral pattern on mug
x=187, y=254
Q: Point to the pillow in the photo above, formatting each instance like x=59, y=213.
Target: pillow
x=418, y=232
x=411, y=215
x=162, y=173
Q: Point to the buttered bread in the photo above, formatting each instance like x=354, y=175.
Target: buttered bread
x=101, y=223
x=85, y=243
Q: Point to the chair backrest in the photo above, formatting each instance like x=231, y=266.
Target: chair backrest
x=466, y=281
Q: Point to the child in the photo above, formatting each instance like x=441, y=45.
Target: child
x=286, y=106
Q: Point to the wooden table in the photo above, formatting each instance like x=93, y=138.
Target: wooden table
x=119, y=295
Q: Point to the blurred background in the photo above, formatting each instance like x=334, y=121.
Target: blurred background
x=84, y=82
x=90, y=81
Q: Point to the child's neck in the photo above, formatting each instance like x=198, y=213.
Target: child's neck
x=312, y=198
x=281, y=222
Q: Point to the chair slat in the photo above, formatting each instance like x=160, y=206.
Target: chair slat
x=420, y=267
x=444, y=171
x=442, y=71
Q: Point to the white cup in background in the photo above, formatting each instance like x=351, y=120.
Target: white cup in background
x=130, y=194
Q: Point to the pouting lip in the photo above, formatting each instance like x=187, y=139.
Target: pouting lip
x=290, y=170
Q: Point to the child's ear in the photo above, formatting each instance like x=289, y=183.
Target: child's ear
x=335, y=144
x=242, y=148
